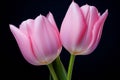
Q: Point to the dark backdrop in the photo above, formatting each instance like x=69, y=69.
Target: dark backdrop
x=102, y=64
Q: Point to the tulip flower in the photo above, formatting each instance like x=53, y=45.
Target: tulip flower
x=81, y=28
x=38, y=40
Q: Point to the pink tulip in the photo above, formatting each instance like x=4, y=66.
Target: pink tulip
x=38, y=40
x=81, y=29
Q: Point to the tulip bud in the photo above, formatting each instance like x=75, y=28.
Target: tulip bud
x=81, y=29
x=38, y=40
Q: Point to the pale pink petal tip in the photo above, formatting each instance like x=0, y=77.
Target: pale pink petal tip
x=49, y=14
x=11, y=26
x=106, y=12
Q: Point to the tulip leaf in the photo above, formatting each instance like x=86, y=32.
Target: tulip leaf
x=59, y=69
x=50, y=77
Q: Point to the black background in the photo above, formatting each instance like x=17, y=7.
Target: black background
x=102, y=64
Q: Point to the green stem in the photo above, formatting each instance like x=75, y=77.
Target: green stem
x=70, y=68
x=52, y=72
x=59, y=69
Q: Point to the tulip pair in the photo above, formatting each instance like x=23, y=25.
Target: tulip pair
x=40, y=42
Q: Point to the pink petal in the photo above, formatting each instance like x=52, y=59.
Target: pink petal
x=24, y=45
x=85, y=10
x=93, y=12
x=73, y=27
x=44, y=40
x=97, y=31
x=27, y=26
x=52, y=21
x=92, y=18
